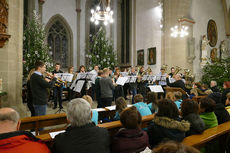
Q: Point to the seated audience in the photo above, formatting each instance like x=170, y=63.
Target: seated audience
x=152, y=101
x=196, y=90
x=82, y=136
x=205, y=89
x=94, y=112
x=178, y=83
x=213, y=86
x=120, y=106
x=166, y=124
x=207, y=107
x=226, y=90
x=170, y=96
x=178, y=99
x=131, y=138
x=174, y=147
x=227, y=102
x=14, y=141
x=220, y=111
x=141, y=106
x=190, y=113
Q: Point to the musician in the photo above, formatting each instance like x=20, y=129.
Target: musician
x=133, y=86
x=70, y=91
x=39, y=87
x=58, y=88
x=81, y=69
x=178, y=83
x=172, y=72
x=94, y=72
x=141, y=84
x=119, y=91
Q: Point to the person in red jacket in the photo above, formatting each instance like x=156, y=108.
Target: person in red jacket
x=14, y=141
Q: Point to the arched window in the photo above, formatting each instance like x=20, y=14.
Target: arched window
x=58, y=43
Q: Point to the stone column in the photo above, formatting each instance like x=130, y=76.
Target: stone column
x=11, y=57
x=40, y=2
x=78, y=10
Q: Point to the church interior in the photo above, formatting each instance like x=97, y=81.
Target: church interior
x=190, y=37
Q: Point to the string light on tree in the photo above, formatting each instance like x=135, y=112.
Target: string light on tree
x=102, y=13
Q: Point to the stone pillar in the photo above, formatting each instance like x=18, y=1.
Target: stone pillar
x=40, y=3
x=11, y=59
x=175, y=50
x=78, y=10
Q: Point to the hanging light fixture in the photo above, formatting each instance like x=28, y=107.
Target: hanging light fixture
x=179, y=30
x=102, y=13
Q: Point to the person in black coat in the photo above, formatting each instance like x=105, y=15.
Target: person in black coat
x=220, y=111
x=166, y=124
x=178, y=83
x=226, y=90
x=82, y=136
x=39, y=87
x=213, y=86
x=190, y=113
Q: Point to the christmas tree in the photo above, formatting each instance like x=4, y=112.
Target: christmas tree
x=34, y=45
x=218, y=71
x=101, y=51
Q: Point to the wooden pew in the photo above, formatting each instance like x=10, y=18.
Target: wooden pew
x=197, y=98
x=220, y=133
x=112, y=127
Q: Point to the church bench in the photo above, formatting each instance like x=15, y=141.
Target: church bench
x=112, y=127
x=197, y=98
x=174, y=89
x=219, y=133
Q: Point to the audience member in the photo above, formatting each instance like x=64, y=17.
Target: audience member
x=178, y=99
x=94, y=112
x=207, y=107
x=213, y=86
x=220, y=111
x=120, y=106
x=141, y=106
x=166, y=124
x=14, y=141
x=107, y=88
x=174, y=147
x=178, y=83
x=190, y=113
x=170, y=96
x=82, y=136
x=152, y=101
x=227, y=102
x=226, y=90
x=130, y=138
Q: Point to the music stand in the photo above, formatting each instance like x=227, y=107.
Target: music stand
x=60, y=110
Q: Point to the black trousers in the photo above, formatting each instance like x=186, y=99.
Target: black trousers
x=58, y=96
x=106, y=102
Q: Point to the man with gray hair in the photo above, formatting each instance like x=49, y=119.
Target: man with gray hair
x=213, y=86
x=178, y=83
x=82, y=136
x=14, y=141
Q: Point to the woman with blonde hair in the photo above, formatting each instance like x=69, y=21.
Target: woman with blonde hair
x=120, y=106
x=94, y=112
x=29, y=94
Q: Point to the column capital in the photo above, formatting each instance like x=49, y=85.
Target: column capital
x=78, y=10
x=41, y=2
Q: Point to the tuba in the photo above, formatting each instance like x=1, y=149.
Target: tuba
x=177, y=70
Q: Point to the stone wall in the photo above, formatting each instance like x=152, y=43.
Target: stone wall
x=11, y=58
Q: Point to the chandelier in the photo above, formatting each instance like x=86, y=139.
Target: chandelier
x=179, y=30
x=102, y=13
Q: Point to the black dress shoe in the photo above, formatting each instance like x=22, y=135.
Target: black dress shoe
x=54, y=107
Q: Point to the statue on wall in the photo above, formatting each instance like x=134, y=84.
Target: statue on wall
x=223, y=50
x=204, y=52
x=213, y=55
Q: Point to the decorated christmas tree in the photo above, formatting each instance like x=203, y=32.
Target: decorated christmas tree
x=101, y=51
x=218, y=71
x=34, y=45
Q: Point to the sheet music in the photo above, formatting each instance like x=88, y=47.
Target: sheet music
x=79, y=85
x=99, y=109
x=122, y=80
x=156, y=88
x=171, y=80
x=67, y=77
x=152, y=78
x=73, y=84
x=145, y=77
x=53, y=134
x=124, y=74
x=81, y=76
x=111, y=107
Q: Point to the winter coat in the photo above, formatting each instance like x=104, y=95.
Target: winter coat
x=209, y=119
x=129, y=141
x=86, y=139
x=224, y=94
x=197, y=125
x=164, y=128
x=21, y=142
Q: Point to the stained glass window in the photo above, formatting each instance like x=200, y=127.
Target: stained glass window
x=58, y=43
